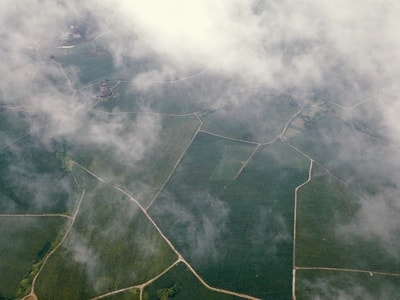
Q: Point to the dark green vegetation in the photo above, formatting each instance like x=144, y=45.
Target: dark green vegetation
x=325, y=211
x=25, y=241
x=236, y=233
x=32, y=179
x=142, y=174
x=265, y=118
x=179, y=283
x=12, y=126
x=316, y=284
x=110, y=246
x=348, y=146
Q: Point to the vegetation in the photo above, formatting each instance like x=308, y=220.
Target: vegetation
x=265, y=118
x=316, y=284
x=109, y=247
x=243, y=227
x=180, y=284
x=142, y=178
x=325, y=209
x=24, y=242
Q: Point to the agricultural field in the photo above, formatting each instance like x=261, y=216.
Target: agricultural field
x=134, y=174
x=234, y=228
x=101, y=254
x=312, y=284
x=25, y=241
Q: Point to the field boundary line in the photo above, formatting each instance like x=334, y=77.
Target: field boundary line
x=72, y=221
x=139, y=286
x=176, y=164
x=36, y=215
x=295, y=227
x=180, y=257
x=370, y=272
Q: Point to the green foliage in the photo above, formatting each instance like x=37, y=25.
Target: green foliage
x=325, y=209
x=166, y=293
x=24, y=242
x=324, y=284
x=110, y=246
x=244, y=227
x=180, y=284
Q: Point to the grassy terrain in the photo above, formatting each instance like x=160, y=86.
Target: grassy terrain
x=110, y=246
x=325, y=208
x=181, y=284
x=350, y=148
x=233, y=158
x=315, y=284
x=12, y=126
x=24, y=241
x=32, y=179
x=145, y=176
x=237, y=234
x=264, y=119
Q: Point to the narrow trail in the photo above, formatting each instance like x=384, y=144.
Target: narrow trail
x=295, y=227
x=180, y=257
x=138, y=286
x=176, y=164
x=181, y=79
x=363, y=101
x=246, y=162
x=370, y=272
x=66, y=77
x=72, y=221
x=13, y=141
x=289, y=121
x=229, y=138
x=36, y=215
x=142, y=112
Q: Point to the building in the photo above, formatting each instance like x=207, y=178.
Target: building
x=105, y=90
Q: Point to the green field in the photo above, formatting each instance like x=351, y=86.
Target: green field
x=316, y=284
x=110, y=246
x=265, y=118
x=141, y=175
x=12, y=126
x=236, y=233
x=325, y=208
x=24, y=241
x=181, y=284
x=32, y=179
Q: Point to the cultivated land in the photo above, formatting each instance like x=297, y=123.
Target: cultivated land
x=220, y=199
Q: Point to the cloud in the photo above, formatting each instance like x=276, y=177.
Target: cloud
x=343, y=51
x=197, y=226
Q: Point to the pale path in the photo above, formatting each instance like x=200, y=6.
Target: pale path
x=180, y=257
x=370, y=272
x=246, y=162
x=66, y=76
x=176, y=164
x=181, y=79
x=139, y=286
x=361, y=102
x=229, y=138
x=294, y=228
x=142, y=112
x=289, y=121
x=36, y=215
x=13, y=141
x=72, y=221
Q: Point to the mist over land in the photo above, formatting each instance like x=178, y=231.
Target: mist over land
x=222, y=114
